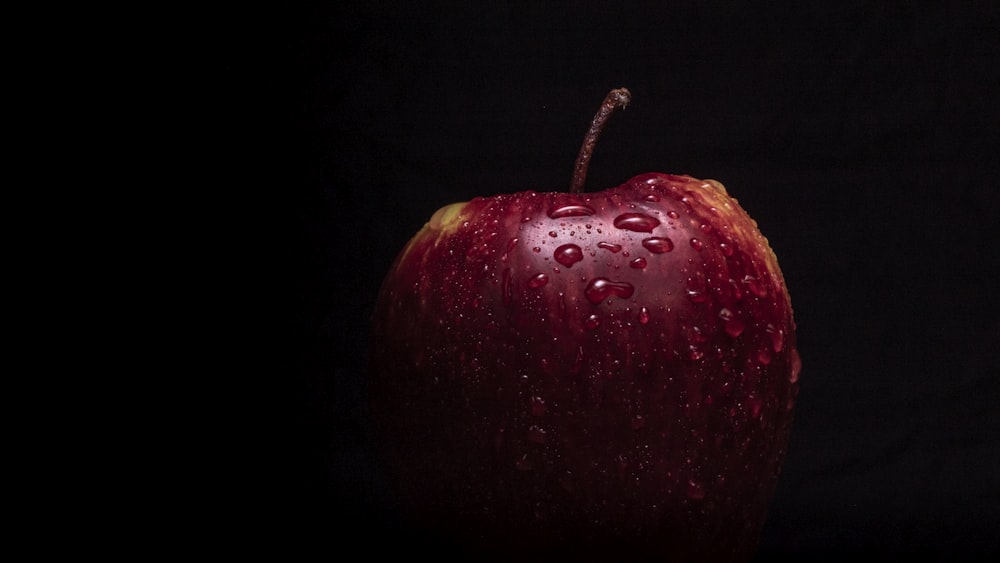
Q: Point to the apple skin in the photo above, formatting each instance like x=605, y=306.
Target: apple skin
x=586, y=375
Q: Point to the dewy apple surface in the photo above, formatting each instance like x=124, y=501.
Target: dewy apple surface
x=611, y=372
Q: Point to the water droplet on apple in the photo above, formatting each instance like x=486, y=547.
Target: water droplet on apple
x=695, y=490
x=698, y=335
x=658, y=245
x=538, y=280
x=731, y=323
x=638, y=222
x=510, y=246
x=696, y=290
x=536, y=249
x=609, y=246
x=643, y=316
x=697, y=244
x=536, y=434
x=568, y=254
x=652, y=197
x=705, y=227
x=553, y=234
x=755, y=286
x=793, y=375
x=523, y=463
x=592, y=322
x=537, y=406
x=764, y=357
x=639, y=263
x=638, y=422
x=600, y=289
x=727, y=249
x=737, y=289
x=506, y=286
x=570, y=211
x=673, y=214
x=777, y=337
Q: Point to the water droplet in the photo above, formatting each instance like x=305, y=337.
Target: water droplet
x=637, y=222
x=755, y=286
x=536, y=434
x=568, y=254
x=639, y=263
x=727, y=249
x=777, y=337
x=600, y=289
x=764, y=356
x=705, y=227
x=698, y=335
x=510, y=246
x=652, y=197
x=697, y=244
x=524, y=464
x=672, y=214
x=609, y=246
x=643, y=316
x=737, y=289
x=658, y=245
x=570, y=211
x=553, y=234
x=638, y=422
x=696, y=290
x=793, y=375
x=592, y=322
x=536, y=249
x=506, y=286
x=526, y=219
x=695, y=490
x=695, y=353
x=538, y=407
x=538, y=280
x=731, y=323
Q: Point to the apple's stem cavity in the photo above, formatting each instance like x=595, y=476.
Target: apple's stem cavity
x=617, y=98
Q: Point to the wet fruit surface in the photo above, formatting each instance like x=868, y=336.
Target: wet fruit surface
x=553, y=368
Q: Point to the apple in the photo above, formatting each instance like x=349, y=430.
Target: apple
x=572, y=375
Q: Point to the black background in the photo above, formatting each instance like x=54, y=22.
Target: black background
x=862, y=136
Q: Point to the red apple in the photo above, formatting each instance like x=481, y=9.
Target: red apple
x=581, y=375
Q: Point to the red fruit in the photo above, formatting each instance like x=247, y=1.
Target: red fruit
x=582, y=374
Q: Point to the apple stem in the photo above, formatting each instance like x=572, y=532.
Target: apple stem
x=617, y=98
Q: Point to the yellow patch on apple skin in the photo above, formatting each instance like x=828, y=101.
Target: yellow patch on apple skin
x=443, y=222
x=717, y=185
x=447, y=218
x=745, y=232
